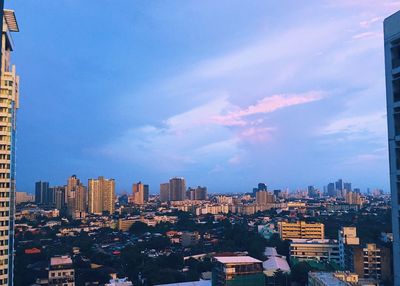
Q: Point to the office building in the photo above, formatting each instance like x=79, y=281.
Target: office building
x=61, y=271
x=164, y=192
x=323, y=250
x=101, y=195
x=301, y=229
x=392, y=68
x=42, y=193
x=9, y=103
x=177, y=189
x=140, y=193
x=237, y=270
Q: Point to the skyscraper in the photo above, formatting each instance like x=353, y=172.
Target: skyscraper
x=164, y=192
x=41, y=192
x=177, y=189
x=9, y=103
x=140, y=193
x=76, y=195
x=392, y=68
x=101, y=195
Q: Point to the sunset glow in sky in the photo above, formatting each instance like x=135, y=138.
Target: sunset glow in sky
x=224, y=93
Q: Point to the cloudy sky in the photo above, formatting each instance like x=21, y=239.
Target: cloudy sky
x=224, y=93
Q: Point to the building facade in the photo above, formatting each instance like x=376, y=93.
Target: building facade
x=315, y=249
x=61, y=271
x=177, y=189
x=9, y=103
x=42, y=194
x=140, y=193
x=76, y=194
x=164, y=192
x=301, y=229
x=392, y=68
x=101, y=195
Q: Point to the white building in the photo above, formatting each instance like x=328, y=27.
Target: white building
x=61, y=271
x=315, y=249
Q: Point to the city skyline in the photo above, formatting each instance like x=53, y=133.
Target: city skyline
x=259, y=98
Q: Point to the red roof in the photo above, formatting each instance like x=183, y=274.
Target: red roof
x=32, y=251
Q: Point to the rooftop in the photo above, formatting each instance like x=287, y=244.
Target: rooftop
x=60, y=260
x=237, y=259
x=314, y=241
x=328, y=279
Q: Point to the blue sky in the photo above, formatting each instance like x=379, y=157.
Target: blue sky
x=225, y=93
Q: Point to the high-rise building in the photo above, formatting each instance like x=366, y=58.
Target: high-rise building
x=348, y=241
x=101, y=195
x=331, y=190
x=140, y=193
x=264, y=197
x=76, y=195
x=9, y=103
x=164, y=192
x=339, y=185
x=177, y=189
x=41, y=192
x=59, y=197
x=200, y=193
x=392, y=68
x=347, y=187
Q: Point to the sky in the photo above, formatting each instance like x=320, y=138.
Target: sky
x=224, y=93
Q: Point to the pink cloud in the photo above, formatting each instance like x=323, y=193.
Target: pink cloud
x=266, y=105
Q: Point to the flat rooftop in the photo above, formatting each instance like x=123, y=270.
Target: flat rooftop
x=237, y=259
x=60, y=260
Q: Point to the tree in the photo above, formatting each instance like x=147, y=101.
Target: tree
x=300, y=272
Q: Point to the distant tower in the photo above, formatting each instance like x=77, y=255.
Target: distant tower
x=101, y=195
x=140, y=193
x=164, y=192
x=177, y=189
x=76, y=195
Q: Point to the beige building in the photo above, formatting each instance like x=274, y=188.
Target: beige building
x=23, y=197
x=76, y=194
x=140, y=193
x=9, y=103
x=301, y=229
x=101, y=195
x=264, y=197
